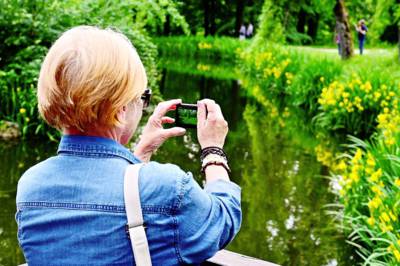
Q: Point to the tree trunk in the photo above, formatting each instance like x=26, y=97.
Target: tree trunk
x=312, y=28
x=343, y=29
x=213, y=25
x=301, y=21
x=239, y=16
x=398, y=32
x=167, y=25
x=206, y=17
x=398, y=43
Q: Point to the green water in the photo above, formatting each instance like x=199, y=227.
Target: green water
x=284, y=192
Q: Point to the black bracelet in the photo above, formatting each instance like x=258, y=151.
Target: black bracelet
x=212, y=150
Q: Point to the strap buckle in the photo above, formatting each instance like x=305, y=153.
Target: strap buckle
x=130, y=226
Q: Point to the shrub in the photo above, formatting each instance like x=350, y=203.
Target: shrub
x=28, y=28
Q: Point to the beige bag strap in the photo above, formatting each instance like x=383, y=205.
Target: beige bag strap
x=133, y=209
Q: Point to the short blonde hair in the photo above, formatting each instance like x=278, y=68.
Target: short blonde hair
x=88, y=75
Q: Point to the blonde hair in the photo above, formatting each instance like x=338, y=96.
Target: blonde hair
x=88, y=75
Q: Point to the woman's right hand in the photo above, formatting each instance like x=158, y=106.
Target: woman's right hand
x=212, y=128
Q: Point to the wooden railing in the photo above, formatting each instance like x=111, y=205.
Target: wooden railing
x=229, y=258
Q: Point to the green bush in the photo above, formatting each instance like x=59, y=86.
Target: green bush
x=28, y=28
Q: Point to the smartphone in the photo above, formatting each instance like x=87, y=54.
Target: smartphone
x=186, y=115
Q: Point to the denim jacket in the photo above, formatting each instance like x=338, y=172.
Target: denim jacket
x=70, y=209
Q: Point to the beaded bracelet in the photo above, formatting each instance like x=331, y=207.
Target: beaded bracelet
x=214, y=159
x=213, y=156
x=213, y=150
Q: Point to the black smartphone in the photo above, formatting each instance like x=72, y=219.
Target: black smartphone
x=186, y=115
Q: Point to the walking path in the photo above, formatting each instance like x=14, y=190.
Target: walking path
x=372, y=51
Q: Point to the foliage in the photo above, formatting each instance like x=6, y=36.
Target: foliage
x=358, y=97
x=152, y=15
x=313, y=22
x=28, y=28
x=224, y=15
x=270, y=29
x=204, y=68
x=370, y=194
x=216, y=48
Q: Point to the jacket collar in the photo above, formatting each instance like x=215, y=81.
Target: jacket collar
x=92, y=146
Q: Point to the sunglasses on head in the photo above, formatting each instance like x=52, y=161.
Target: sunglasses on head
x=146, y=98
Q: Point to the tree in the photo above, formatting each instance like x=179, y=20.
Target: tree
x=343, y=29
x=270, y=29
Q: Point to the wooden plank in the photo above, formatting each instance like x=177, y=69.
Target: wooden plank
x=229, y=258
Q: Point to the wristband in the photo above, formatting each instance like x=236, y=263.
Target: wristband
x=212, y=150
x=214, y=159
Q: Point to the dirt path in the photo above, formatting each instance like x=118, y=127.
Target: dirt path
x=373, y=51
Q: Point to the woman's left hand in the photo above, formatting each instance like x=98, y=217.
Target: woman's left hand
x=154, y=135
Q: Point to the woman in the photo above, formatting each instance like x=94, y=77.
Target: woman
x=70, y=207
x=361, y=29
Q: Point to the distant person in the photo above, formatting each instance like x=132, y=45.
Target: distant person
x=361, y=29
x=249, y=30
x=242, y=32
x=337, y=41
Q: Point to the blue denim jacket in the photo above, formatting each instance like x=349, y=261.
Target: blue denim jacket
x=70, y=209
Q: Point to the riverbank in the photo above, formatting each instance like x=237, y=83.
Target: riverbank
x=338, y=99
x=335, y=99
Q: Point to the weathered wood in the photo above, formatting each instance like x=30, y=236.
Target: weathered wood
x=229, y=258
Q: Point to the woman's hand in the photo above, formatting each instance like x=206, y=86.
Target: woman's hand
x=211, y=125
x=154, y=135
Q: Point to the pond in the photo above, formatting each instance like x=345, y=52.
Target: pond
x=284, y=189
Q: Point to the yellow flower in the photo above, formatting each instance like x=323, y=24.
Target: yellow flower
x=22, y=111
x=396, y=254
x=341, y=165
x=385, y=217
x=375, y=203
x=390, y=141
x=357, y=156
x=377, y=190
x=397, y=182
x=385, y=228
x=322, y=79
x=376, y=175
x=204, y=45
x=202, y=67
x=367, y=86
x=371, y=221
x=370, y=160
x=393, y=217
x=354, y=176
x=289, y=75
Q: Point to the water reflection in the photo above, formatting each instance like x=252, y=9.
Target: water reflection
x=283, y=190
x=15, y=158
